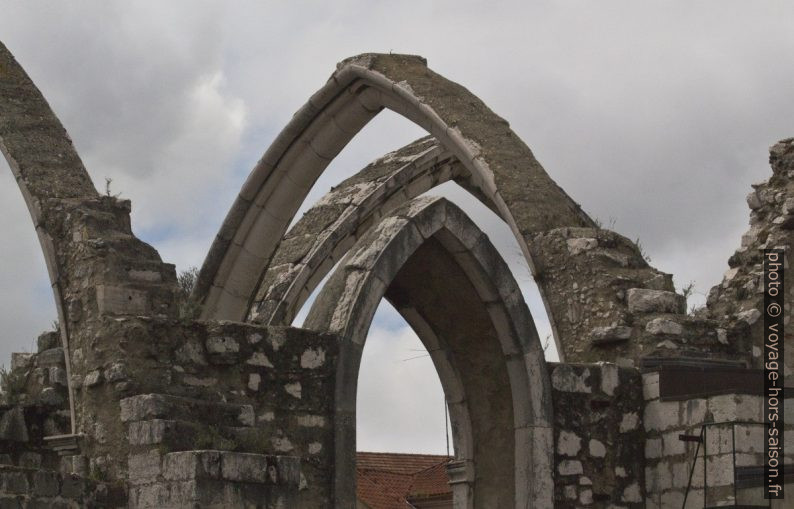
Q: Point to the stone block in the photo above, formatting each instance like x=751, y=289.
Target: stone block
x=118, y=300
x=246, y=415
x=750, y=439
x=151, y=496
x=192, y=465
x=51, y=397
x=148, y=432
x=243, y=467
x=30, y=460
x=565, y=378
x=20, y=360
x=672, y=446
x=311, y=421
x=732, y=407
x=73, y=487
x=653, y=448
x=672, y=499
x=694, y=499
x=57, y=376
x=313, y=358
x=661, y=415
x=46, y=484
x=694, y=412
x=643, y=300
x=223, y=350
x=254, y=379
x=222, y=345
x=664, y=326
x=12, y=425
x=568, y=443
x=51, y=358
x=48, y=340
x=191, y=352
x=93, y=378
x=632, y=493
x=578, y=246
x=719, y=439
x=652, y=478
x=629, y=422
x=294, y=389
x=664, y=474
x=145, y=467
x=259, y=359
x=719, y=470
x=14, y=482
x=610, y=334
x=650, y=386
x=749, y=408
x=609, y=378
x=570, y=467
x=117, y=372
x=597, y=448
x=156, y=406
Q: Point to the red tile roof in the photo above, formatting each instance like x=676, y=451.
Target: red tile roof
x=431, y=482
x=391, y=480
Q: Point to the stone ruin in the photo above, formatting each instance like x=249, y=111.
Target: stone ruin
x=146, y=398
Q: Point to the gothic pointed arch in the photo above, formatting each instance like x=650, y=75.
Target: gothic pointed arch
x=499, y=164
x=446, y=278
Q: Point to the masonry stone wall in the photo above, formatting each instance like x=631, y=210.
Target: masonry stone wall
x=598, y=436
x=669, y=460
x=739, y=296
x=25, y=488
x=159, y=386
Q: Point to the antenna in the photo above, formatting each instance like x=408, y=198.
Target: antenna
x=446, y=423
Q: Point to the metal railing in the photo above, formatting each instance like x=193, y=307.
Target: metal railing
x=702, y=439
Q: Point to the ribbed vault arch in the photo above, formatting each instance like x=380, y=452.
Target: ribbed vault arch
x=447, y=280
x=500, y=166
x=328, y=229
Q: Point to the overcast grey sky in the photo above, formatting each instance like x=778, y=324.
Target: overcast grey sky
x=655, y=116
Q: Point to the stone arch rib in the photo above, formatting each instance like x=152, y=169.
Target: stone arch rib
x=78, y=229
x=321, y=237
x=380, y=264
x=327, y=230
x=47, y=169
x=501, y=166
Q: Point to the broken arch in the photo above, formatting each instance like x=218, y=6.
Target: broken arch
x=500, y=165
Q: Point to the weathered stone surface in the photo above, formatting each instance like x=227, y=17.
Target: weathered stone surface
x=662, y=326
x=46, y=484
x=611, y=334
x=579, y=245
x=564, y=378
x=48, y=340
x=570, y=467
x=93, y=378
x=20, y=360
x=568, y=443
x=12, y=425
x=642, y=300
